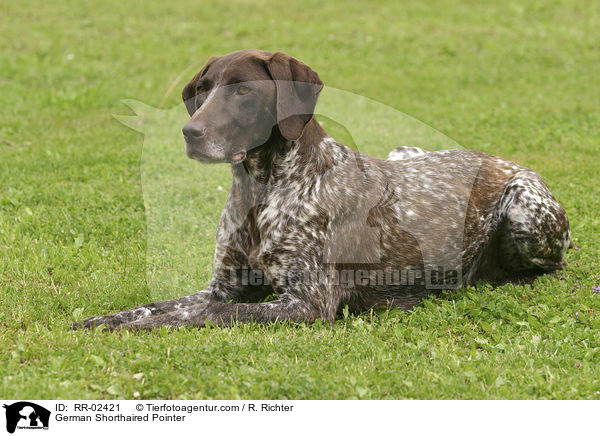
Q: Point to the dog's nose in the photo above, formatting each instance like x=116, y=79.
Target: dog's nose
x=193, y=130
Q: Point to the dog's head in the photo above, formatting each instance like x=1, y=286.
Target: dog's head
x=238, y=101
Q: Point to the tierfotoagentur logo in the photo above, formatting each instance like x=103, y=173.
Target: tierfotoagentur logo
x=433, y=278
x=25, y=415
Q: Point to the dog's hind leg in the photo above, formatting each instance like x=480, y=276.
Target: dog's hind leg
x=533, y=233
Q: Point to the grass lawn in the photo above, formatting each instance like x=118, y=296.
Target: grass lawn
x=519, y=80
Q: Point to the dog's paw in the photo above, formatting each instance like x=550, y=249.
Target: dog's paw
x=110, y=322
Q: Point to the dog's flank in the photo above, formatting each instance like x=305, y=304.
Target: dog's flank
x=302, y=205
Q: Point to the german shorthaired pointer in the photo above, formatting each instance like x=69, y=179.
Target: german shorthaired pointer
x=323, y=226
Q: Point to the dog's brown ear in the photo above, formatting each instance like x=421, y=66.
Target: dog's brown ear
x=189, y=91
x=298, y=88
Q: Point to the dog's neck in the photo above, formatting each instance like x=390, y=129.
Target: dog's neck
x=274, y=164
x=275, y=159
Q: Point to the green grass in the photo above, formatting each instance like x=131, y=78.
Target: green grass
x=519, y=80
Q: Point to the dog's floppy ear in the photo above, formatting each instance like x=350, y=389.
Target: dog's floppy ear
x=189, y=91
x=298, y=88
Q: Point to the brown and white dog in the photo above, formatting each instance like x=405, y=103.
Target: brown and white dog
x=323, y=226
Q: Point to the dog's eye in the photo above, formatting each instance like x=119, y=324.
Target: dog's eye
x=243, y=90
x=200, y=90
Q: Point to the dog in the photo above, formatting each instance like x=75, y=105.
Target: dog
x=324, y=227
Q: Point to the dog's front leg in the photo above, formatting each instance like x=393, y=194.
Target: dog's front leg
x=298, y=302
x=146, y=310
x=225, y=314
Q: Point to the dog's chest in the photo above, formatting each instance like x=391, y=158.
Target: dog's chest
x=291, y=224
